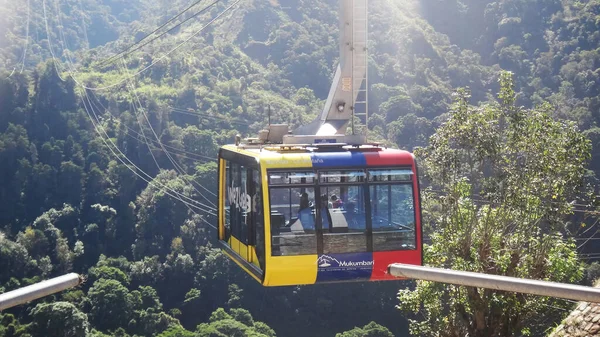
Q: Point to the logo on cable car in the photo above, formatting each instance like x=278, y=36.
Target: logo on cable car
x=325, y=261
x=344, y=266
x=241, y=200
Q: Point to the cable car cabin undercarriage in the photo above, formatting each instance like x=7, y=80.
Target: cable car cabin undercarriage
x=292, y=215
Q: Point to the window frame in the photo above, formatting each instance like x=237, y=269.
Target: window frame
x=245, y=233
x=366, y=182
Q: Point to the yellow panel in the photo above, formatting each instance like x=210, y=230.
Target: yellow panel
x=284, y=270
x=254, y=256
x=291, y=270
x=236, y=149
x=237, y=247
x=221, y=214
x=280, y=270
x=285, y=160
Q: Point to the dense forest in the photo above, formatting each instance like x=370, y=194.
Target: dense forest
x=107, y=158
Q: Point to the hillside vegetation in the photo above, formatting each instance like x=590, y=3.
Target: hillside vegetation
x=108, y=164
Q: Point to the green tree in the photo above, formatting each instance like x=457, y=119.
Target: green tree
x=370, y=330
x=160, y=216
x=238, y=323
x=176, y=331
x=14, y=259
x=112, y=305
x=69, y=183
x=58, y=319
x=508, y=176
x=107, y=273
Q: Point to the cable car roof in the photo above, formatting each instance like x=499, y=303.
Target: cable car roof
x=311, y=157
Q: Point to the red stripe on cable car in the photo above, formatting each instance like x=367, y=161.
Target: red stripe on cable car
x=389, y=157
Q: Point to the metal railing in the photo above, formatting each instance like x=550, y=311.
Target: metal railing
x=38, y=290
x=497, y=282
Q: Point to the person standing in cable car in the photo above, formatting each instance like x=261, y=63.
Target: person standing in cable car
x=336, y=202
x=325, y=216
x=305, y=213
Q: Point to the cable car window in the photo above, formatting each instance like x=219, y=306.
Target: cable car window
x=233, y=193
x=390, y=175
x=244, y=206
x=342, y=176
x=227, y=204
x=257, y=207
x=293, y=221
x=343, y=219
x=239, y=201
x=393, y=217
x=287, y=178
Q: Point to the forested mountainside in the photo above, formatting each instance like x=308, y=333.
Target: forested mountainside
x=102, y=156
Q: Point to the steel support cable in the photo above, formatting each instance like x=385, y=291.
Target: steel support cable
x=181, y=155
x=440, y=192
x=170, y=51
x=26, y=44
x=496, y=282
x=26, y=37
x=200, y=157
x=126, y=52
x=151, y=64
x=168, y=153
x=139, y=134
x=50, y=42
x=178, y=168
x=71, y=66
x=142, y=129
x=149, y=179
x=175, y=164
x=190, y=207
x=221, y=119
x=205, y=115
x=150, y=182
x=487, y=202
x=589, y=238
x=70, y=62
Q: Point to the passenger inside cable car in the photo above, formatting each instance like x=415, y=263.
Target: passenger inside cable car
x=306, y=213
x=325, y=217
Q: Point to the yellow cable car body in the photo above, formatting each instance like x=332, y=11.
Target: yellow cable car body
x=279, y=249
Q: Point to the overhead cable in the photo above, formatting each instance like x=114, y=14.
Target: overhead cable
x=112, y=58
x=123, y=54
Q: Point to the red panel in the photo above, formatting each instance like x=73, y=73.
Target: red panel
x=392, y=157
x=389, y=157
x=381, y=261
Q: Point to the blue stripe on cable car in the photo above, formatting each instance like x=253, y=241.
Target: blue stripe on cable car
x=337, y=159
x=344, y=267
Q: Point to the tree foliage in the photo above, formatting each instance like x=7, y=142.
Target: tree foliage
x=58, y=319
x=91, y=181
x=507, y=177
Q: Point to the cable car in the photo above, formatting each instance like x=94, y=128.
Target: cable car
x=291, y=215
x=321, y=204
